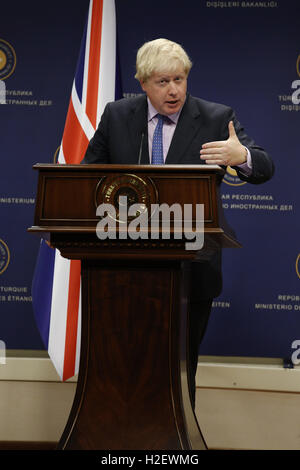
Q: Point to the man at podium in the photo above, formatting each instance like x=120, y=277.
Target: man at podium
x=169, y=126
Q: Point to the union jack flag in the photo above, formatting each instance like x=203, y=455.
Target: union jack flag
x=56, y=288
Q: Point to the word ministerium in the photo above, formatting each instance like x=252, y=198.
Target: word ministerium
x=2, y=353
x=135, y=222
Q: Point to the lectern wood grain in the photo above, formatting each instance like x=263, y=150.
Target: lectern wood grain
x=134, y=361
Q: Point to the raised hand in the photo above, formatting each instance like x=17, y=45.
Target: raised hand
x=225, y=152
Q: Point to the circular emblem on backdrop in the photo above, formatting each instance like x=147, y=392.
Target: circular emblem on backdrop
x=8, y=59
x=4, y=256
x=140, y=191
x=232, y=178
x=298, y=65
x=298, y=265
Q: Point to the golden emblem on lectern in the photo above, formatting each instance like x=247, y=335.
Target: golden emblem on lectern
x=126, y=189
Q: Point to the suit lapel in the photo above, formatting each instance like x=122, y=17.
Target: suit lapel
x=186, y=129
x=138, y=130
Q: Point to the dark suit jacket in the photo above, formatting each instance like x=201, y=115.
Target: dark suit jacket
x=118, y=141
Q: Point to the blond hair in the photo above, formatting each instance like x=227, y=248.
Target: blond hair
x=160, y=55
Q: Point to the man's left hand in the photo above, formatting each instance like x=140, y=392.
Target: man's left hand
x=225, y=152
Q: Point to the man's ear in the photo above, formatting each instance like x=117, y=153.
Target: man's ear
x=143, y=85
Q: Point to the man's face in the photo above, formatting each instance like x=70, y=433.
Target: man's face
x=166, y=91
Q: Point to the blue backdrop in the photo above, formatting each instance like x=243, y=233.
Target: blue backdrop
x=246, y=55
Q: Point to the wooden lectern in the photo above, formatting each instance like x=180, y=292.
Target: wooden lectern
x=132, y=391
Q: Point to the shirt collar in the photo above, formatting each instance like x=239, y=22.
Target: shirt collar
x=152, y=112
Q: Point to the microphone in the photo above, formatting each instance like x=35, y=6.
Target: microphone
x=141, y=148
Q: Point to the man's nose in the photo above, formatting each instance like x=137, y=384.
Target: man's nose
x=172, y=88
